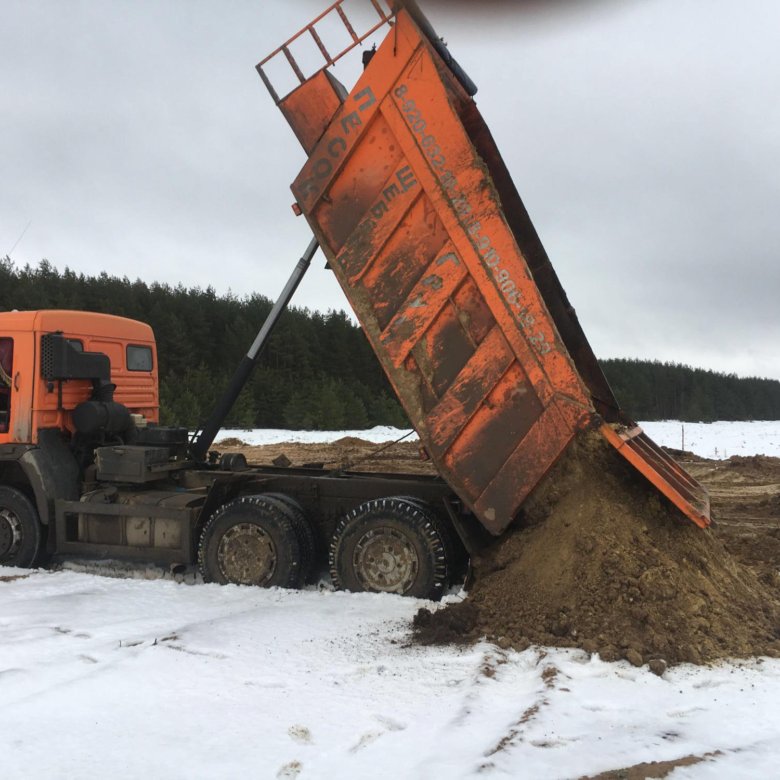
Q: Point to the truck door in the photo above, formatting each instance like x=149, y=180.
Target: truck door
x=6, y=381
x=15, y=387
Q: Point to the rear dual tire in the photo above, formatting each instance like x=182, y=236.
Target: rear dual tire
x=304, y=533
x=251, y=541
x=390, y=545
x=386, y=545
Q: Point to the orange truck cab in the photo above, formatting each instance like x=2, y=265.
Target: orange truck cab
x=69, y=382
x=33, y=397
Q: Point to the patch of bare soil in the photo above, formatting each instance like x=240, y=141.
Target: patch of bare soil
x=600, y=561
x=745, y=496
x=231, y=442
x=354, y=441
x=348, y=453
x=650, y=769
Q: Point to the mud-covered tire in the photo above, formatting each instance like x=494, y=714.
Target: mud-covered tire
x=250, y=541
x=307, y=541
x=389, y=545
x=453, y=552
x=20, y=529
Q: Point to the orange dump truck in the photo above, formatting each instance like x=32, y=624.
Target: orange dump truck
x=416, y=211
x=417, y=214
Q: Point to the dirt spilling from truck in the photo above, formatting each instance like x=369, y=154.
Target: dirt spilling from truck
x=600, y=561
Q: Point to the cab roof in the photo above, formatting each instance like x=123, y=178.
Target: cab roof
x=75, y=323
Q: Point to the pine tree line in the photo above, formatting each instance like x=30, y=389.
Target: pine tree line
x=649, y=390
x=318, y=370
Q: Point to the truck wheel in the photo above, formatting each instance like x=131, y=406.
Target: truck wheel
x=304, y=533
x=389, y=545
x=250, y=541
x=20, y=530
x=449, y=540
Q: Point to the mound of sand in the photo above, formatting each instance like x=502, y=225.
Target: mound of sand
x=599, y=560
x=231, y=441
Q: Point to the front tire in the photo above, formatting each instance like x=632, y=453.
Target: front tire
x=20, y=529
x=389, y=545
x=250, y=541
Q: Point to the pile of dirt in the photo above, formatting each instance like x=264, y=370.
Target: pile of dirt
x=753, y=465
x=351, y=441
x=757, y=548
x=230, y=441
x=601, y=561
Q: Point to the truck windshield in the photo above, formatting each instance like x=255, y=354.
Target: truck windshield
x=6, y=372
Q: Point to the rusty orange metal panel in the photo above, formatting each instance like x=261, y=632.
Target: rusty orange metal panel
x=419, y=218
x=662, y=471
x=407, y=214
x=313, y=105
x=541, y=447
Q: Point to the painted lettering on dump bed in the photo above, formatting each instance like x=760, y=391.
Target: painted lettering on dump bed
x=478, y=237
x=405, y=181
x=323, y=166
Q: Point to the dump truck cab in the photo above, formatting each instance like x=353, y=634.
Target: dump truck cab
x=49, y=363
x=70, y=382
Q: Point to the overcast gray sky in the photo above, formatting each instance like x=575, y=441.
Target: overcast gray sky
x=643, y=136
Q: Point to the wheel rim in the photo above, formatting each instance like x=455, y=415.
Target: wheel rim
x=10, y=533
x=247, y=555
x=386, y=560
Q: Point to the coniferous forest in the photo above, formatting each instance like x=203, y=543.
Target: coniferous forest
x=649, y=390
x=318, y=371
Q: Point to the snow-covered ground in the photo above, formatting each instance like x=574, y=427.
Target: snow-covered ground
x=256, y=436
x=718, y=440
x=132, y=678
x=120, y=678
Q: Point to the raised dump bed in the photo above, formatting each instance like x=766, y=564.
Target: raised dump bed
x=422, y=225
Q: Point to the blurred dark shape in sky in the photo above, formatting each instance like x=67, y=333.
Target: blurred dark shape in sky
x=510, y=8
